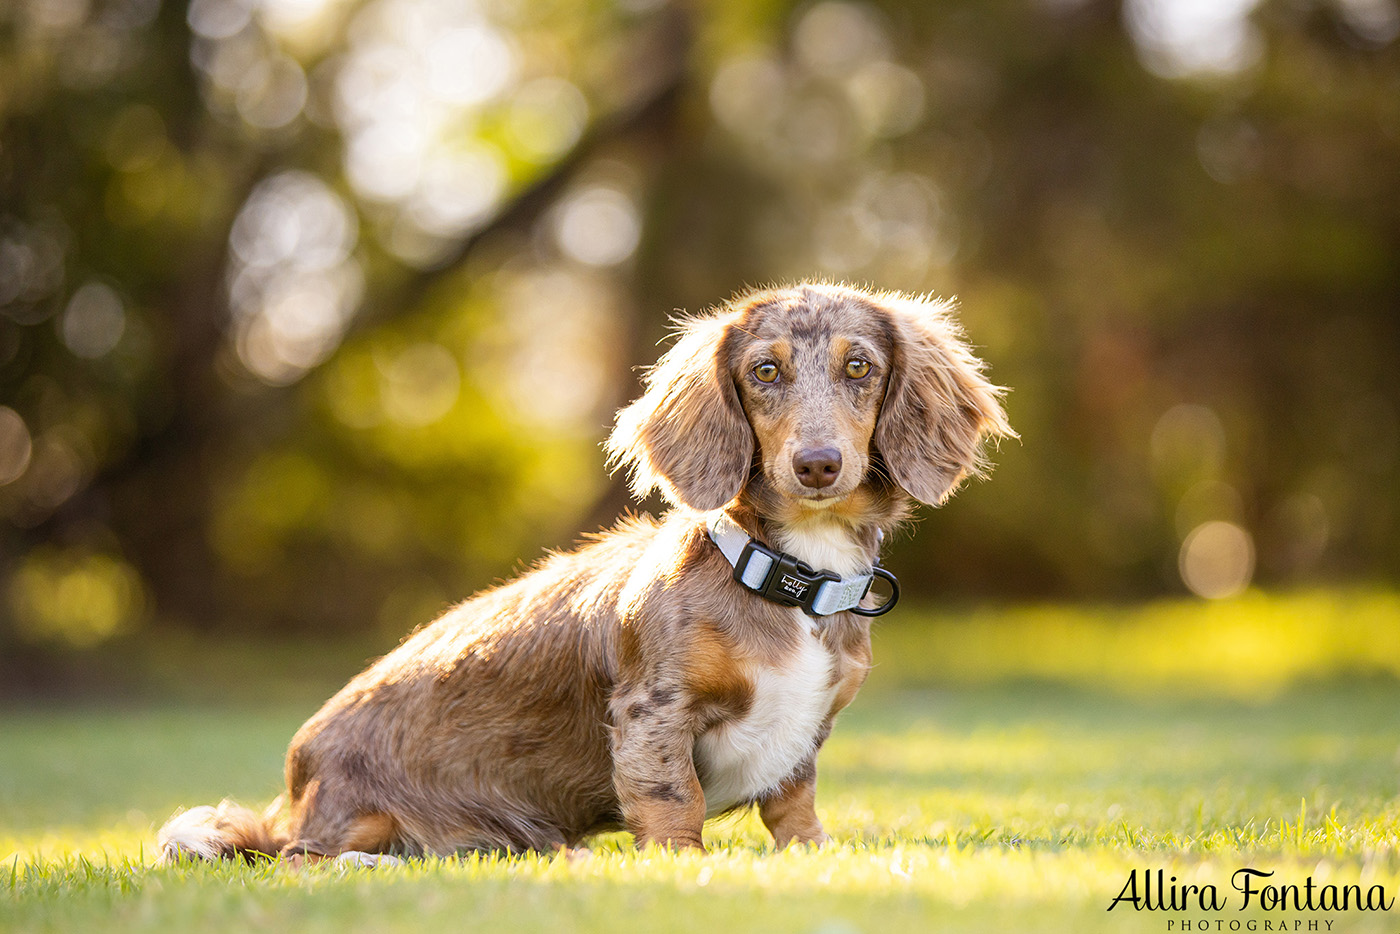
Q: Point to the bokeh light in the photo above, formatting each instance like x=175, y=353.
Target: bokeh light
x=294, y=19
x=1178, y=38
x=293, y=283
x=888, y=98
x=16, y=447
x=747, y=93
x=57, y=15
x=544, y=360
x=546, y=117
x=1375, y=22
x=1217, y=560
x=57, y=471
x=93, y=321
x=421, y=383
x=598, y=226
x=814, y=121
x=458, y=190
x=31, y=266
x=411, y=95
x=470, y=63
x=219, y=19
x=75, y=599
x=1188, y=443
x=833, y=38
x=272, y=92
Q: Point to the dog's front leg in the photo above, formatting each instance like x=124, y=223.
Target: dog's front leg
x=790, y=811
x=654, y=775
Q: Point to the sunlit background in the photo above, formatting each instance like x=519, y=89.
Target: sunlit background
x=313, y=313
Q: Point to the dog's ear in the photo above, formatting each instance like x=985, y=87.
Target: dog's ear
x=687, y=435
x=938, y=406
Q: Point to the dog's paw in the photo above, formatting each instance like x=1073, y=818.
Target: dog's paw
x=360, y=860
x=576, y=854
x=818, y=840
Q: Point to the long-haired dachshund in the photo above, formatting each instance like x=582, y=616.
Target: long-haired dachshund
x=667, y=670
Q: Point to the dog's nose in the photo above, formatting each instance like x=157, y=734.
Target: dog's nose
x=817, y=467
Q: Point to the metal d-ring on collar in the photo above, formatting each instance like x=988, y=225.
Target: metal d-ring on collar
x=783, y=578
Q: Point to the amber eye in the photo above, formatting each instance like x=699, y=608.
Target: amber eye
x=766, y=372
x=857, y=368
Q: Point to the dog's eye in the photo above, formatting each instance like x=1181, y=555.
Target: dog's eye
x=766, y=372
x=857, y=368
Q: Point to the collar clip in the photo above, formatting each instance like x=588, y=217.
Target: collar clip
x=789, y=581
x=786, y=579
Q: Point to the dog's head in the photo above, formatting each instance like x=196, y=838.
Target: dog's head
x=813, y=387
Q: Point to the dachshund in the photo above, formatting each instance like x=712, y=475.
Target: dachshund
x=667, y=670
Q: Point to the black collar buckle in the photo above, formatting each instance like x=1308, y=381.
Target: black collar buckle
x=790, y=582
x=888, y=605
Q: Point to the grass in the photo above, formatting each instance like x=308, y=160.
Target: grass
x=999, y=804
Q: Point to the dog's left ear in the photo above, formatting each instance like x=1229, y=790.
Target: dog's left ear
x=687, y=435
x=938, y=407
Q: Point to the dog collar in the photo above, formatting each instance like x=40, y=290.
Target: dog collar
x=783, y=578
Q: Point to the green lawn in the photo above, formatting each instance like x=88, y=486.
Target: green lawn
x=995, y=805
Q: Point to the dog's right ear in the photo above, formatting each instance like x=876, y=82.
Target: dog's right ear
x=687, y=435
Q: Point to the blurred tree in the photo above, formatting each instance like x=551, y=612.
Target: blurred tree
x=312, y=312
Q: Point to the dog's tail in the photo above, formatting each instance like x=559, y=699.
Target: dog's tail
x=226, y=831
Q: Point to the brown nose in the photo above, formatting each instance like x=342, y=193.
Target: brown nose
x=817, y=467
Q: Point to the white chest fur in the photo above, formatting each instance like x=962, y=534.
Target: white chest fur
x=824, y=546
x=741, y=759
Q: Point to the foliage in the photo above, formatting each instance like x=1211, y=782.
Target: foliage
x=312, y=313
